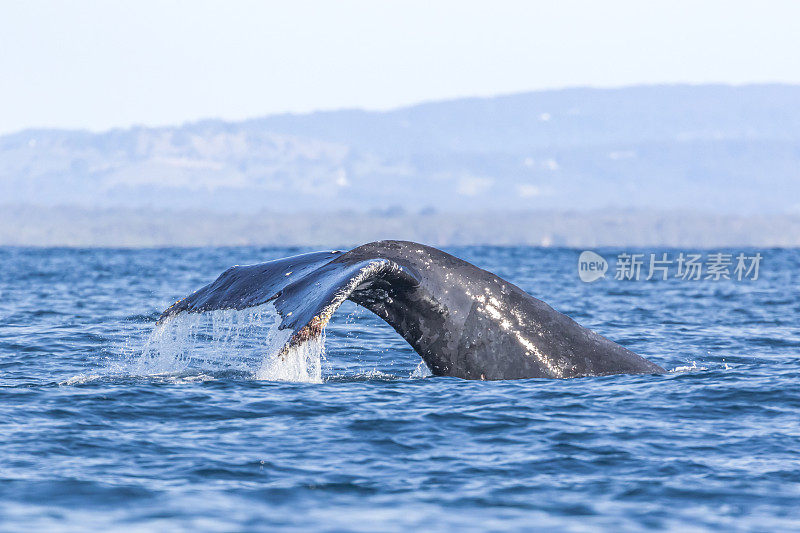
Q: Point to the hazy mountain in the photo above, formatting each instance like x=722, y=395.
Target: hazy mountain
x=709, y=148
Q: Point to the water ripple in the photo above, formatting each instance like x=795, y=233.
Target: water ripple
x=98, y=434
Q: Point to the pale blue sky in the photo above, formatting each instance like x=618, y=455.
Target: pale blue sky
x=98, y=64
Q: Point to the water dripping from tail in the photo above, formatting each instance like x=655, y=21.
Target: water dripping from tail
x=299, y=363
x=240, y=342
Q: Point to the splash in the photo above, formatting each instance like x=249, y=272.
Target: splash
x=687, y=368
x=227, y=341
x=422, y=371
x=301, y=363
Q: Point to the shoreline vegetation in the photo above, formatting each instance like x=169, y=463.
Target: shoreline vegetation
x=69, y=226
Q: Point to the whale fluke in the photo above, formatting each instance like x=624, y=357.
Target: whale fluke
x=463, y=321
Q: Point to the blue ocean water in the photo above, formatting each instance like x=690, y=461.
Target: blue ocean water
x=96, y=435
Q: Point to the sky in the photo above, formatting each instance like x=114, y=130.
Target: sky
x=98, y=65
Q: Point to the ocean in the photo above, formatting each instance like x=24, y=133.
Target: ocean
x=111, y=423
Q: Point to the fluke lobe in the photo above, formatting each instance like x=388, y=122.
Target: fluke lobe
x=463, y=321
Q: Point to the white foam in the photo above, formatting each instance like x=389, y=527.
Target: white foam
x=81, y=379
x=693, y=368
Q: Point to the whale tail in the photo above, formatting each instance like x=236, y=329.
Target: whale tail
x=463, y=321
x=305, y=289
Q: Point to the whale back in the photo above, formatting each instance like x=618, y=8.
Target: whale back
x=462, y=320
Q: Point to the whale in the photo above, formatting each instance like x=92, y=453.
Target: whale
x=463, y=321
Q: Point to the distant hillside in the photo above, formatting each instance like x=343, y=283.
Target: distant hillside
x=709, y=148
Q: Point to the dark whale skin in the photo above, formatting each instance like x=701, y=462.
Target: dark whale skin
x=462, y=320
